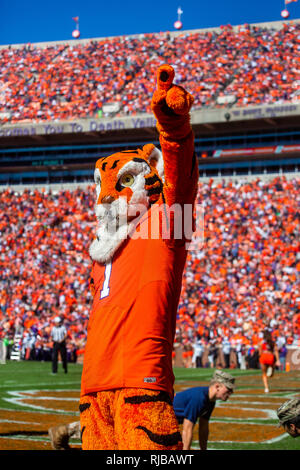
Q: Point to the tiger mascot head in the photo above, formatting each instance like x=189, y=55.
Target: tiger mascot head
x=127, y=184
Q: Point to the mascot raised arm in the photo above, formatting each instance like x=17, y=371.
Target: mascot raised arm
x=127, y=379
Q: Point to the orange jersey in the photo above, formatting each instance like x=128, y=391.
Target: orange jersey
x=132, y=323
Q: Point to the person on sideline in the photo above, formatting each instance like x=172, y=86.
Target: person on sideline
x=199, y=402
x=268, y=358
x=289, y=416
x=226, y=347
x=198, y=349
x=59, y=336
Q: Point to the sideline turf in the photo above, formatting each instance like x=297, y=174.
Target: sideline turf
x=30, y=375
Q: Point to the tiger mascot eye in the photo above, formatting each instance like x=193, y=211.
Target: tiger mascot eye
x=127, y=379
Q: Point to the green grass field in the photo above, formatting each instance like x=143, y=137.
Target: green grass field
x=26, y=376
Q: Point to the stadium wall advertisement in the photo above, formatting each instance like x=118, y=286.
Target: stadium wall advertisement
x=292, y=358
x=102, y=125
x=275, y=149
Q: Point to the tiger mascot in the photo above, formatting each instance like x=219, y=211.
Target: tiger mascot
x=127, y=379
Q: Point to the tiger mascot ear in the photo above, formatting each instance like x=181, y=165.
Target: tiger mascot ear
x=155, y=159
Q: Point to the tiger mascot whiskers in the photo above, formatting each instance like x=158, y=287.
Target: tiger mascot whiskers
x=127, y=379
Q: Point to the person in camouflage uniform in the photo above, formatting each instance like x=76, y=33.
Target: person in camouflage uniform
x=289, y=416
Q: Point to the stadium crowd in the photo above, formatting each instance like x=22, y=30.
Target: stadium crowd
x=243, y=279
x=256, y=65
x=246, y=277
x=45, y=266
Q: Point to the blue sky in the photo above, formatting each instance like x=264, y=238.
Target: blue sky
x=39, y=21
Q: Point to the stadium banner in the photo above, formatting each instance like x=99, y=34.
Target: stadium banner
x=293, y=358
x=143, y=121
x=273, y=150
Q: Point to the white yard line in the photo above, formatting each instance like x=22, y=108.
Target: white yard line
x=250, y=423
x=21, y=437
x=42, y=384
x=18, y=398
x=275, y=439
x=18, y=422
x=16, y=401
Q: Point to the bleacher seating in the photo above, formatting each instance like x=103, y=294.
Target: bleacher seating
x=245, y=65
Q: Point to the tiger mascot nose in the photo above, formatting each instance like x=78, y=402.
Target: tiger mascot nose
x=107, y=199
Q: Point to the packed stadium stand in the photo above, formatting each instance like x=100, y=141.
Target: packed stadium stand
x=255, y=65
x=62, y=105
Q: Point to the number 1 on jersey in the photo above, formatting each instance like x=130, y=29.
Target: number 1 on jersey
x=105, y=288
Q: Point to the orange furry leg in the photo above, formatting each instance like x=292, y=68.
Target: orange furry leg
x=145, y=420
x=96, y=421
x=129, y=419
